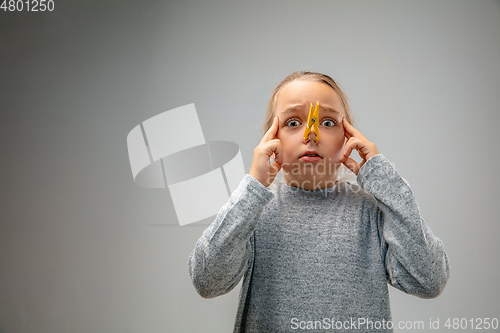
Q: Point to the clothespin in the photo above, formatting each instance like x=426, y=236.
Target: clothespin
x=312, y=122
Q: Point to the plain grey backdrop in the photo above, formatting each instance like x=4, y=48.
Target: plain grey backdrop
x=84, y=249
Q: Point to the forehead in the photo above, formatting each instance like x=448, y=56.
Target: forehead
x=306, y=92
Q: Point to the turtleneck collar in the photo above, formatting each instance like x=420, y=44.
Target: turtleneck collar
x=307, y=193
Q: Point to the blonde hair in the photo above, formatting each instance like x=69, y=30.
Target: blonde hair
x=348, y=175
x=305, y=76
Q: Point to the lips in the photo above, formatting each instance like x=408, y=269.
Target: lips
x=311, y=153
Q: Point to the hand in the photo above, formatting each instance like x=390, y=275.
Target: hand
x=262, y=169
x=356, y=140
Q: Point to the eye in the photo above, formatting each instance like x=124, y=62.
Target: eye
x=293, y=122
x=329, y=122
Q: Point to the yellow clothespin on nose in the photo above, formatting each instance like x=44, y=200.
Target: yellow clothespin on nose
x=312, y=122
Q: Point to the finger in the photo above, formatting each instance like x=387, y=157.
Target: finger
x=271, y=132
x=276, y=167
x=351, y=130
x=349, y=146
x=278, y=153
x=366, y=148
x=347, y=135
x=352, y=165
x=274, y=148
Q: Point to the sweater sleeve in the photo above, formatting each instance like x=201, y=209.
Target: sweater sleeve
x=415, y=259
x=224, y=250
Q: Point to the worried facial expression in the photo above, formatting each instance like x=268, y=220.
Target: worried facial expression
x=305, y=158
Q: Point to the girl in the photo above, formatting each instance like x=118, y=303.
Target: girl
x=315, y=251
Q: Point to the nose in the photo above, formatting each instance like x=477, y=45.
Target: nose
x=311, y=136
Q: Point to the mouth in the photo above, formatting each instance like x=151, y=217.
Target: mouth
x=311, y=156
x=311, y=153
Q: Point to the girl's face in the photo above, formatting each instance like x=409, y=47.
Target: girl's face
x=292, y=108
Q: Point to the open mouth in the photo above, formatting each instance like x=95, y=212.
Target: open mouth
x=311, y=156
x=311, y=153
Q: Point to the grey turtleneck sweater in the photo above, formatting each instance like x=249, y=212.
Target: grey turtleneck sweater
x=320, y=260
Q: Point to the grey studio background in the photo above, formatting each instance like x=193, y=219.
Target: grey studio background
x=84, y=249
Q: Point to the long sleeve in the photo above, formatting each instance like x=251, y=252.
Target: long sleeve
x=415, y=259
x=224, y=250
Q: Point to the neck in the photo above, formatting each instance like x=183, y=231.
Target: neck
x=312, y=183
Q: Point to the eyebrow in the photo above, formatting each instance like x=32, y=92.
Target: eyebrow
x=300, y=106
